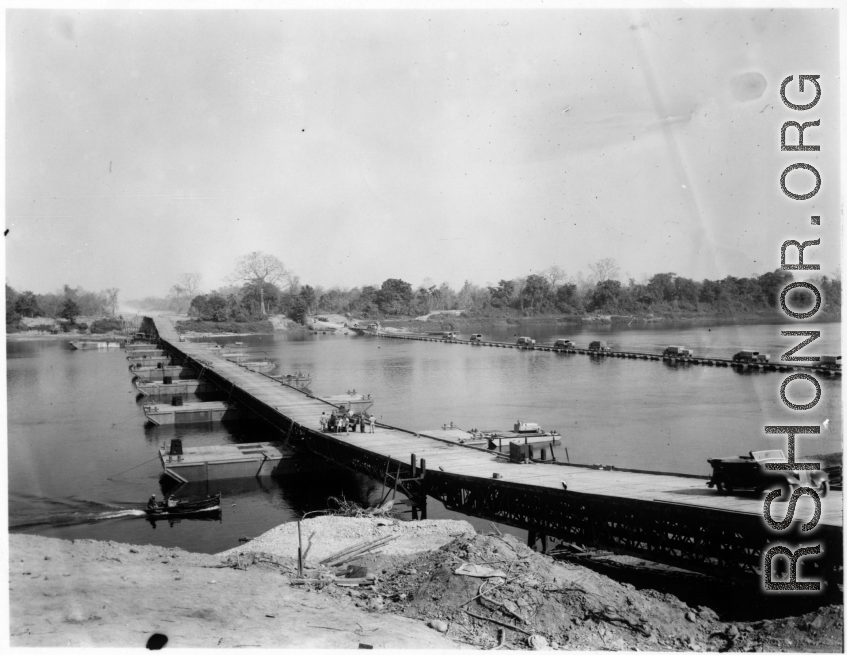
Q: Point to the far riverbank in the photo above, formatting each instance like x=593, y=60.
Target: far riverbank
x=463, y=320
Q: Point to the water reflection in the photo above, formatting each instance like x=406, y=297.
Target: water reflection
x=173, y=520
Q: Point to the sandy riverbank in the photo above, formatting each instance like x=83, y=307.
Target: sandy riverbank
x=89, y=593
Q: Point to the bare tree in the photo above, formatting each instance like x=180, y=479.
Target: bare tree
x=112, y=299
x=260, y=269
x=554, y=275
x=190, y=282
x=605, y=269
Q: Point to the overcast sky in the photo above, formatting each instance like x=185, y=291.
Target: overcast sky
x=362, y=145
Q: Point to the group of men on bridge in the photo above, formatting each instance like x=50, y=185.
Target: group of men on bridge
x=342, y=420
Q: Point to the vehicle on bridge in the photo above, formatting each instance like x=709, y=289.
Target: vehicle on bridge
x=599, y=346
x=442, y=335
x=750, y=357
x=564, y=344
x=832, y=362
x=525, y=341
x=678, y=351
x=749, y=472
x=476, y=337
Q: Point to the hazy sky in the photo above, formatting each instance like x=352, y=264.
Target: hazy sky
x=362, y=145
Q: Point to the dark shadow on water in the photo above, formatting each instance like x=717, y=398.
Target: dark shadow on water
x=306, y=483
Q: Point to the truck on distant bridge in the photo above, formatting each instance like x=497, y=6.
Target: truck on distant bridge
x=678, y=351
x=443, y=335
x=831, y=362
x=750, y=357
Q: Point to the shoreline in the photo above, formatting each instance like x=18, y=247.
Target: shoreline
x=616, y=320
x=456, y=322
x=68, y=336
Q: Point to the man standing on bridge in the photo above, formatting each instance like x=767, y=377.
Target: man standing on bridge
x=373, y=422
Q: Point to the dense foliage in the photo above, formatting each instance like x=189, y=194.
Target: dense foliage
x=67, y=304
x=103, y=325
x=267, y=287
x=536, y=294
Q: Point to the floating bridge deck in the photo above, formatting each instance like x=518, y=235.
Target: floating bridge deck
x=625, y=354
x=672, y=519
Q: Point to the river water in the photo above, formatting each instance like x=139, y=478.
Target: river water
x=82, y=463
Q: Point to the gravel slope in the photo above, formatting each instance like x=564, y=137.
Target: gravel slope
x=325, y=535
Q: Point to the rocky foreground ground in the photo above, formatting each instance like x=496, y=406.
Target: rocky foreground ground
x=437, y=584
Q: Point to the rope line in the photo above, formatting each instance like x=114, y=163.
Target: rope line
x=134, y=467
x=138, y=412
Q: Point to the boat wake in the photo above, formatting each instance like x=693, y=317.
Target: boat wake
x=63, y=512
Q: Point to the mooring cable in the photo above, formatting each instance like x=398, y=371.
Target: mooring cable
x=134, y=467
x=138, y=412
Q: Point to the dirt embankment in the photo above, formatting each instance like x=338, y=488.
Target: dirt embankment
x=91, y=593
x=438, y=584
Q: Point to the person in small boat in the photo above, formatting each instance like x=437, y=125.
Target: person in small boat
x=152, y=504
x=170, y=502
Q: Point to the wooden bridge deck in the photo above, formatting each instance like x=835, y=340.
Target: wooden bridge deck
x=475, y=469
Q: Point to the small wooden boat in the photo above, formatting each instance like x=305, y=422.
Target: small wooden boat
x=186, y=508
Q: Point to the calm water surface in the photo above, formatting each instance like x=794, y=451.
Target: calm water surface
x=75, y=421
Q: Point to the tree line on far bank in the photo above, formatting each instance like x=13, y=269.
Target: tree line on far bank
x=540, y=294
x=262, y=285
x=68, y=304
